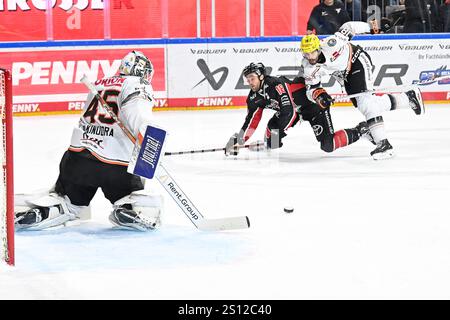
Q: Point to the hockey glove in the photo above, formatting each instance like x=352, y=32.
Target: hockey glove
x=322, y=98
x=231, y=148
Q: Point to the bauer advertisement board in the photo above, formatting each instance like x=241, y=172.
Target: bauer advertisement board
x=215, y=69
x=202, y=74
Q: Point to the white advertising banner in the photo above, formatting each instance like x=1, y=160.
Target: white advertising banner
x=210, y=74
x=191, y=73
x=214, y=70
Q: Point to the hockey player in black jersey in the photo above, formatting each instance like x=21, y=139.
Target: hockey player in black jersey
x=319, y=117
x=266, y=92
x=289, y=99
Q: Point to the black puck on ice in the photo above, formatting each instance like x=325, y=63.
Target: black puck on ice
x=288, y=209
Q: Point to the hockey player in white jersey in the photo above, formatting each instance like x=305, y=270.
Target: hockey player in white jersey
x=352, y=67
x=99, y=154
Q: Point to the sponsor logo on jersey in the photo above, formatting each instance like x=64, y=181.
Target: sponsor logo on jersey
x=318, y=129
x=92, y=141
x=329, y=123
x=336, y=54
x=331, y=42
x=356, y=55
x=111, y=81
x=274, y=105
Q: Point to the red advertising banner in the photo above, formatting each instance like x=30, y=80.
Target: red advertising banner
x=49, y=80
x=41, y=20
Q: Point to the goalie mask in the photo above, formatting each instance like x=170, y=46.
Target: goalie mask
x=136, y=64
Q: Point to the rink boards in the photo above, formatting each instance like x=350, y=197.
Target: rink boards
x=206, y=73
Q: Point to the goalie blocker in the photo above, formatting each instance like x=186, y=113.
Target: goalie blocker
x=147, y=153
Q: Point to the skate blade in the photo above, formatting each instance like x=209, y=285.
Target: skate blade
x=383, y=155
x=422, y=105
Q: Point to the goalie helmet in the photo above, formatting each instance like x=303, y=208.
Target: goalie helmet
x=257, y=68
x=136, y=64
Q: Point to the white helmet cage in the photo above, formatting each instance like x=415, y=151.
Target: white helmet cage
x=135, y=63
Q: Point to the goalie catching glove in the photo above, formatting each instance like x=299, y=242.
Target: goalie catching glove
x=322, y=98
x=232, y=146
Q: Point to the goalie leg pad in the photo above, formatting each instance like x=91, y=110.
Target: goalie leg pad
x=138, y=210
x=47, y=211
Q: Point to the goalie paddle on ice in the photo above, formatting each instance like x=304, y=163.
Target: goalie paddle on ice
x=162, y=175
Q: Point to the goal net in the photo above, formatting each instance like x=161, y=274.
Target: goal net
x=6, y=183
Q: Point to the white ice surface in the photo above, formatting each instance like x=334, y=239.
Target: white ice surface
x=361, y=229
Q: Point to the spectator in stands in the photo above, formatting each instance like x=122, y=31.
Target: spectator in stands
x=327, y=17
x=421, y=16
x=349, y=7
x=444, y=16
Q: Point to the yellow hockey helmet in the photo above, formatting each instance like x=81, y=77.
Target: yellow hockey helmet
x=310, y=43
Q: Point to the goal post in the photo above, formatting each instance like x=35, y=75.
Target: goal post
x=6, y=185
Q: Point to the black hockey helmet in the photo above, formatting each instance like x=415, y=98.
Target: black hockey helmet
x=257, y=68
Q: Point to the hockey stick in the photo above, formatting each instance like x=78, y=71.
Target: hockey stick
x=171, y=186
x=251, y=145
x=393, y=89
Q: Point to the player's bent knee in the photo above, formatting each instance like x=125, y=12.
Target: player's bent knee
x=327, y=145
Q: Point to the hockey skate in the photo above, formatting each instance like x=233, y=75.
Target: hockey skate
x=125, y=217
x=39, y=218
x=364, y=131
x=416, y=101
x=383, y=150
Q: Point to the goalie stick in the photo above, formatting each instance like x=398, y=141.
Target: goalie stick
x=172, y=188
x=393, y=89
